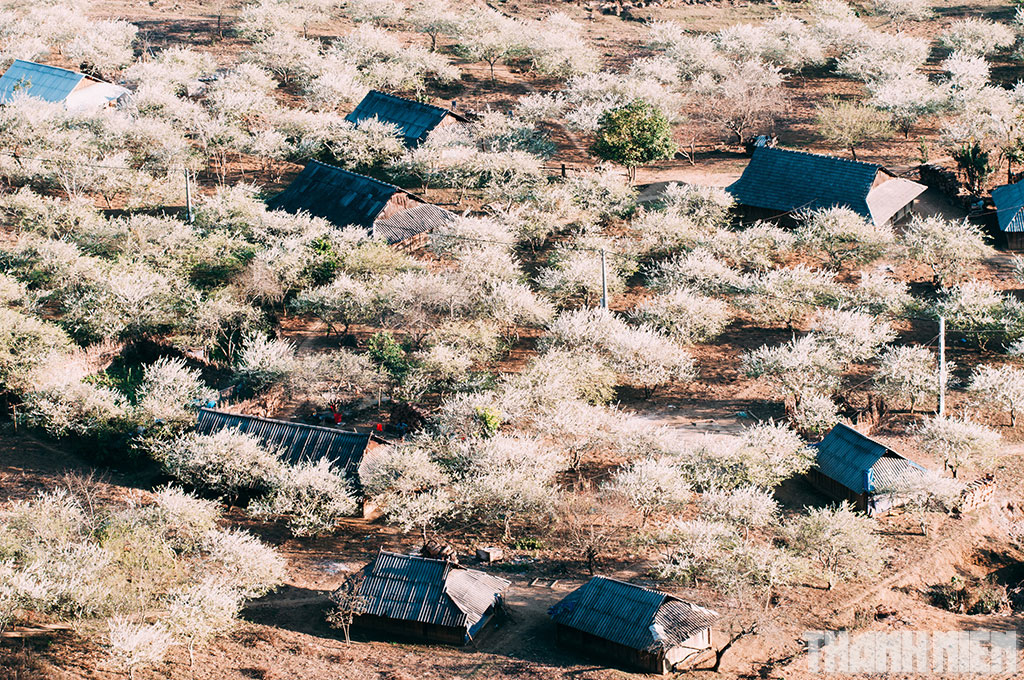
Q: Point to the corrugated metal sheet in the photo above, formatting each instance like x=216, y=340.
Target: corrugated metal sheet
x=296, y=441
x=430, y=591
x=787, y=180
x=631, y=615
x=860, y=463
x=888, y=198
x=408, y=223
x=339, y=196
x=414, y=119
x=1009, y=201
x=48, y=83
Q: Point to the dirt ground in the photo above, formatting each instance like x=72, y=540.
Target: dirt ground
x=284, y=635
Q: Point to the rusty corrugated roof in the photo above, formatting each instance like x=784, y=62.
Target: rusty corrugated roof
x=438, y=592
x=631, y=615
x=296, y=441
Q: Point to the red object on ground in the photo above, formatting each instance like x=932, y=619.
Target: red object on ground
x=380, y=427
x=337, y=417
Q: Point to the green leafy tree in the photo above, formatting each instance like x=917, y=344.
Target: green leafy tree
x=634, y=135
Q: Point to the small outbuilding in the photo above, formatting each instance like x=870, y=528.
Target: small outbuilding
x=638, y=626
x=346, y=198
x=780, y=183
x=850, y=466
x=414, y=120
x=77, y=91
x=1009, y=202
x=297, y=442
x=427, y=599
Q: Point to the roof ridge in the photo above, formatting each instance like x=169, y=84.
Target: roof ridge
x=407, y=99
x=815, y=154
x=332, y=430
x=357, y=174
x=57, y=68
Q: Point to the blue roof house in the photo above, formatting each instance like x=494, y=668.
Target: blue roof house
x=1009, y=201
x=781, y=183
x=637, y=626
x=853, y=467
x=414, y=120
x=77, y=91
x=346, y=198
x=426, y=599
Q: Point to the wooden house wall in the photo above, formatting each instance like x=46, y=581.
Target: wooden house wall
x=413, y=630
x=1014, y=240
x=837, y=491
x=398, y=202
x=591, y=644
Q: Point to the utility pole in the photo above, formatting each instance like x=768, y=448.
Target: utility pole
x=942, y=365
x=604, y=280
x=188, y=196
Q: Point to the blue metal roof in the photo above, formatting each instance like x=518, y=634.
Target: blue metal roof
x=1009, y=200
x=413, y=119
x=631, y=615
x=49, y=83
x=439, y=592
x=339, y=196
x=296, y=441
x=786, y=180
x=860, y=463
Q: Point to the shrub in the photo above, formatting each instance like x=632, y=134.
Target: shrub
x=999, y=387
x=800, y=366
x=746, y=506
x=135, y=645
x=263, y=361
x=78, y=409
x=814, y=414
x=227, y=463
x=853, y=336
x=684, y=315
x=642, y=357
x=908, y=374
x=957, y=440
x=948, y=248
x=26, y=343
x=765, y=455
x=171, y=392
x=242, y=560
x=843, y=236
x=839, y=541
x=976, y=36
x=313, y=496
x=651, y=484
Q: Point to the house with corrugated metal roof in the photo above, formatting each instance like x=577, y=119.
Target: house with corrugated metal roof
x=426, y=599
x=850, y=466
x=346, y=198
x=644, y=628
x=77, y=91
x=295, y=442
x=1009, y=202
x=414, y=120
x=780, y=183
